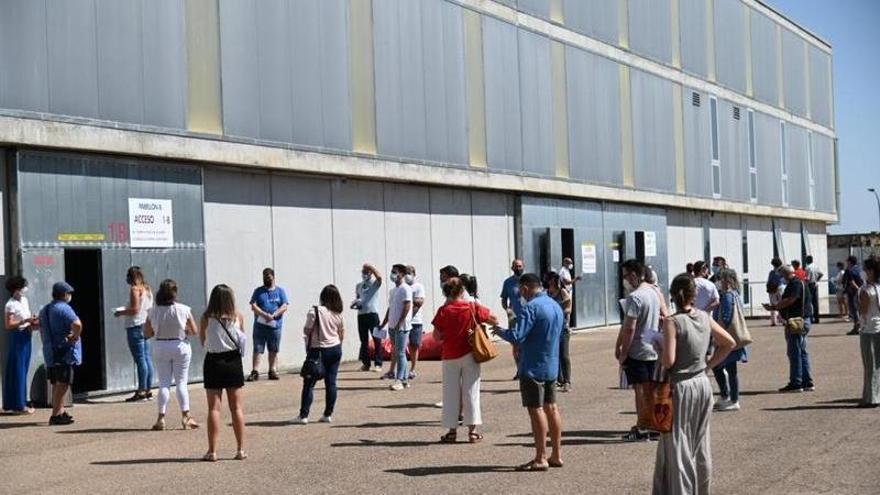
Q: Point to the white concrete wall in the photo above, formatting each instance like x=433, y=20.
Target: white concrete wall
x=818, y=248
x=760, y=239
x=725, y=239
x=684, y=237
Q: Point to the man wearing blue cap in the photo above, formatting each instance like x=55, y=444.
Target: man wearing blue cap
x=62, y=348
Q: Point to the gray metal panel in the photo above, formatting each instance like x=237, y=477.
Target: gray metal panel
x=274, y=71
x=653, y=135
x=734, y=150
x=823, y=167
x=165, y=77
x=536, y=99
x=650, y=25
x=503, y=118
x=305, y=33
x=42, y=268
x=595, y=18
x=594, y=144
x=767, y=151
x=730, y=43
x=820, y=86
x=120, y=81
x=796, y=161
x=24, y=81
x=540, y=8
x=697, y=144
x=239, y=65
x=765, y=59
x=119, y=368
x=73, y=58
x=692, y=34
x=794, y=73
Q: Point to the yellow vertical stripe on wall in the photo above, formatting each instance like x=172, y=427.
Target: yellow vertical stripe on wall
x=780, y=77
x=560, y=109
x=749, y=77
x=557, y=11
x=476, y=96
x=710, y=39
x=678, y=128
x=363, y=104
x=623, y=23
x=626, y=128
x=203, y=103
x=808, y=86
x=676, y=34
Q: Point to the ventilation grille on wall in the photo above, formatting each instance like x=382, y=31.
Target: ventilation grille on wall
x=695, y=99
x=735, y=113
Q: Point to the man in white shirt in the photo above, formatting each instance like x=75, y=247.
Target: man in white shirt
x=707, y=298
x=398, y=318
x=415, y=335
x=565, y=274
x=814, y=275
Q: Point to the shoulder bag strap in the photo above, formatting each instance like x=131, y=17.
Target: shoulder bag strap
x=229, y=334
x=316, y=325
x=476, y=324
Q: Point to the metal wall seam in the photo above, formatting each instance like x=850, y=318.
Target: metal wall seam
x=363, y=118
x=780, y=72
x=678, y=132
x=750, y=91
x=204, y=111
x=626, y=127
x=623, y=24
x=808, y=89
x=557, y=11
x=675, y=33
x=476, y=89
x=710, y=39
x=560, y=109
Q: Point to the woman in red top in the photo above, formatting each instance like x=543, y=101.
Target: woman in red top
x=461, y=373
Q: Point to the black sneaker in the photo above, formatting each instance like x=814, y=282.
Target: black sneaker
x=791, y=388
x=137, y=398
x=854, y=331
x=635, y=435
x=60, y=420
x=809, y=387
x=273, y=376
x=254, y=376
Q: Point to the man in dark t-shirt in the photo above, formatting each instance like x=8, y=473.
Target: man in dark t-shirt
x=852, y=281
x=795, y=304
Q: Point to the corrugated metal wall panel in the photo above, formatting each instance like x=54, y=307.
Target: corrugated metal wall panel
x=734, y=144
x=796, y=161
x=768, y=159
x=120, y=81
x=335, y=75
x=795, y=73
x=24, y=81
x=536, y=99
x=820, y=86
x=503, y=116
x=823, y=166
x=730, y=44
x=595, y=18
x=73, y=58
x=274, y=70
x=650, y=25
x=692, y=32
x=165, y=79
x=306, y=97
x=697, y=143
x=240, y=73
x=653, y=136
x=594, y=144
x=765, y=61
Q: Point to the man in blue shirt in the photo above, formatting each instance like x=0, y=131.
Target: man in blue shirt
x=511, y=302
x=62, y=347
x=269, y=302
x=852, y=281
x=537, y=332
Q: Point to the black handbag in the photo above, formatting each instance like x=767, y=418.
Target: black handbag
x=312, y=368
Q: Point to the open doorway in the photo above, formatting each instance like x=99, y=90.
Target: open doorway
x=568, y=252
x=82, y=270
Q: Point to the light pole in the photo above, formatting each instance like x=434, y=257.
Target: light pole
x=877, y=197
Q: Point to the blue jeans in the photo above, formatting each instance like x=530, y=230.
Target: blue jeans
x=401, y=339
x=140, y=351
x=852, y=300
x=799, y=358
x=728, y=381
x=330, y=358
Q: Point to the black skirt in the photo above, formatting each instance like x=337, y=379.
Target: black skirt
x=223, y=370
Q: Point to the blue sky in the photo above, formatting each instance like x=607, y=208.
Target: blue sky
x=853, y=29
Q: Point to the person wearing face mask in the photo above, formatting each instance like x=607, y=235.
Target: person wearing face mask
x=448, y=272
x=718, y=263
x=140, y=300
x=707, y=292
x=366, y=303
x=398, y=318
x=565, y=274
x=20, y=323
x=61, y=329
x=512, y=302
x=269, y=303
x=415, y=335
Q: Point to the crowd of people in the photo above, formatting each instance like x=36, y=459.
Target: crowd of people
x=668, y=337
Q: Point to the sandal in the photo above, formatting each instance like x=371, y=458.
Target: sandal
x=475, y=437
x=188, y=423
x=532, y=466
x=240, y=455
x=557, y=464
x=210, y=457
x=448, y=438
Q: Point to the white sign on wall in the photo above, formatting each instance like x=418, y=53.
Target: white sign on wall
x=150, y=223
x=588, y=257
x=650, y=244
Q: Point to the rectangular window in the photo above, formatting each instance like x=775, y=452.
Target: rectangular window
x=812, y=176
x=782, y=153
x=753, y=160
x=716, y=154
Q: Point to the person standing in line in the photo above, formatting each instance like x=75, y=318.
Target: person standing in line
x=689, y=269
x=775, y=287
x=565, y=274
x=869, y=309
x=840, y=292
x=635, y=348
x=718, y=263
x=707, y=293
x=814, y=276
x=20, y=322
x=171, y=323
x=558, y=293
x=794, y=304
x=140, y=300
x=323, y=333
x=220, y=332
x=398, y=318
x=799, y=272
x=269, y=303
x=61, y=329
x=367, y=305
x=471, y=287
x=448, y=272
x=852, y=282
x=537, y=332
x=512, y=302
x=684, y=459
x=461, y=373
x=726, y=374
x=418, y=325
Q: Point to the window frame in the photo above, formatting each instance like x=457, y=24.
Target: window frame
x=783, y=163
x=714, y=146
x=753, y=157
x=810, y=170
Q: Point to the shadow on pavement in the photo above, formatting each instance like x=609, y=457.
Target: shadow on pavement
x=104, y=430
x=441, y=470
x=280, y=422
x=580, y=433
x=575, y=437
x=390, y=425
x=499, y=392
x=812, y=408
x=840, y=401
x=380, y=386
x=384, y=443
x=128, y=462
x=411, y=405
x=758, y=392
x=6, y=426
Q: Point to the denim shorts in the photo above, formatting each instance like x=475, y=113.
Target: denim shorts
x=264, y=337
x=415, y=335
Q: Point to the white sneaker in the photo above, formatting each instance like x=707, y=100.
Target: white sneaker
x=722, y=402
x=729, y=406
x=396, y=386
x=438, y=405
x=326, y=419
x=300, y=421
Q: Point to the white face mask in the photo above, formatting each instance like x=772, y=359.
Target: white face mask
x=366, y=277
x=394, y=276
x=523, y=301
x=409, y=279
x=68, y=298
x=23, y=290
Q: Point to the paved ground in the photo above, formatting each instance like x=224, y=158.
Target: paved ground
x=385, y=442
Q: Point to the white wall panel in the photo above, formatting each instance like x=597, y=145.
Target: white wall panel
x=451, y=231
x=684, y=239
x=791, y=239
x=760, y=239
x=725, y=239
x=494, y=249
x=817, y=246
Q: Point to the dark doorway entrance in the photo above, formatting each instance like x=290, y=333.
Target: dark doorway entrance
x=82, y=270
x=568, y=252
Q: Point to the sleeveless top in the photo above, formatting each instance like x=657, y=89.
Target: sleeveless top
x=692, y=334
x=218, y=340
x=141, y=316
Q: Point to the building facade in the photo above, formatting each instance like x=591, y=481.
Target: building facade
x=315, y=135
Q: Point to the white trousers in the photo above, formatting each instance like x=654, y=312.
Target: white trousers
x=171, y=359
x=461, y=391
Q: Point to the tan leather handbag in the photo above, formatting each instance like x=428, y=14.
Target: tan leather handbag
x=482, y=346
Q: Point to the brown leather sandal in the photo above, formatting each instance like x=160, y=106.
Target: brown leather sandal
x=448, y=438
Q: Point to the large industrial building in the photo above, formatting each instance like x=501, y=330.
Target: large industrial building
x=315, y=135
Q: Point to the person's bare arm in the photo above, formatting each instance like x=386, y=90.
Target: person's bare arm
x=341, y=331
x=280, y=311
x=203, y=330
x=149, y=332
x=12, y=323
x=134, y=303
x=417, y=304
x=724, y=343
x=385, y=320
x=625, y=338
x=375, y=273
x=864, y=302
x=191, y=328
x=259, y=311
x=667, y=354
x=406, y=307
x=76, y=329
